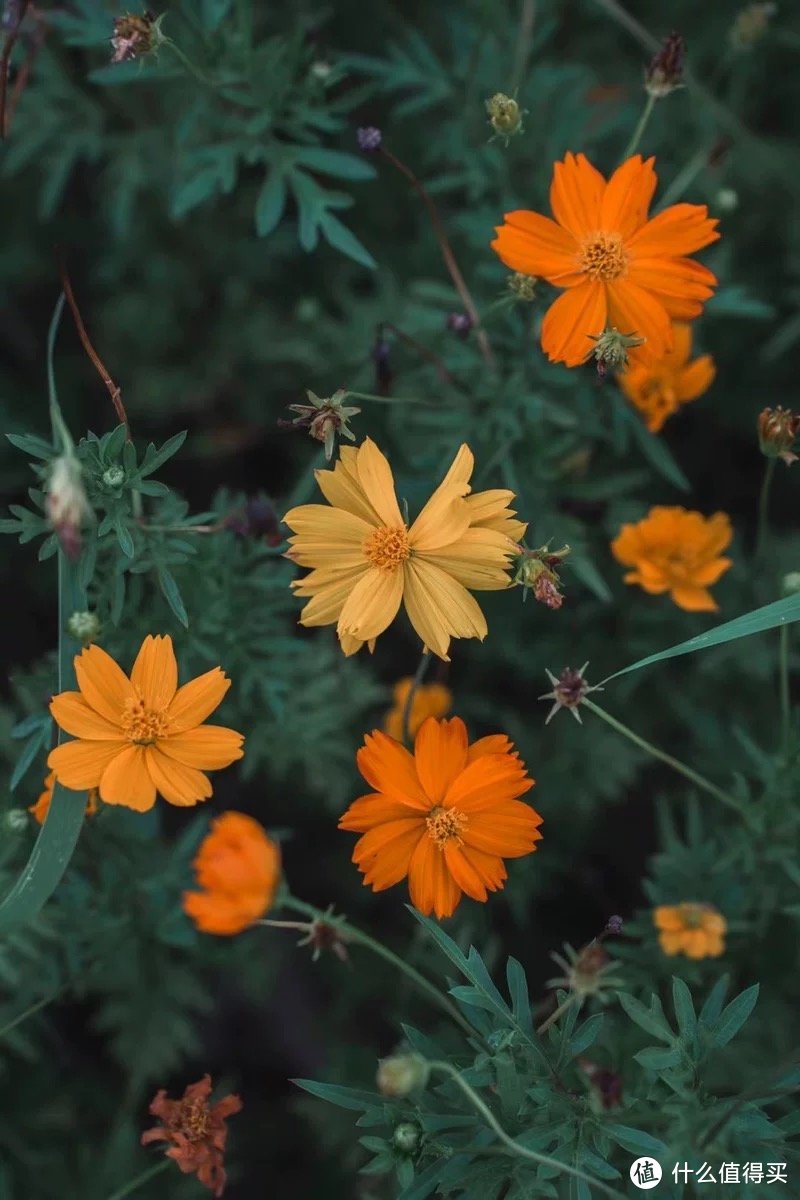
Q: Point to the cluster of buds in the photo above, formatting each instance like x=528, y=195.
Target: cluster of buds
x=505, y=116
x=324, y=418
x=751, y=24
x=401, y=1074
x=665, y=72
x=611, y=350
x=523, y=286
x=570, y=689
x=135, y=36
x=66, y=504
x=537, y=570
x=777, y=432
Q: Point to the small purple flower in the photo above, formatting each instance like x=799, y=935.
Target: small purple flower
x=614, y=924
x=460, y=323
x=369, y=139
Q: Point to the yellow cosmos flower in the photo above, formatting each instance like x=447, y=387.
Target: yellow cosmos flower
x=366, y=561
x=141, y=735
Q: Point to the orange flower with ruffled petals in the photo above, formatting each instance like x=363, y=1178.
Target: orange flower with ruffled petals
x=620, y=270
x=660, y=388
x=41, y=808
x=366, y=561
x=143, y=735
x=196, y=1132
x=445, y=816
x=696, y=930
x=430, y=700
x=238, y=866
x=676, y=551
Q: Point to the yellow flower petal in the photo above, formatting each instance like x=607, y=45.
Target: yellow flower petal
x=376, y=479
x=197, y=700
x=209, y=747
x=444, y=519
x=328, y=525
x=126, y=781
x=178, y=784
x=104, y=685
x=155, y=672
x=478, y=560
x=372, y=604
x=80, y=765
x=328, y=597
x=72, y=713
x=343, y=490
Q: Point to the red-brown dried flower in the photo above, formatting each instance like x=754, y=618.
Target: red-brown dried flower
x=196, y=1132
x=777, y=432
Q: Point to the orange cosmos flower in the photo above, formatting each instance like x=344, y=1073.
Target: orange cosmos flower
x=446, y=816
x=41, y=808
x=195, y=1131
x=696, y=930
x=366, y=560
x=619, y=269
x=238, y=867
x=658, y=389
x=141, y=735
x=430, y=700
x=676, y=551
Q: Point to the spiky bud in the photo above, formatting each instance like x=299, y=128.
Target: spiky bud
x=665, y=72
x=611, y=349
x=570, y=689
x=325, y=417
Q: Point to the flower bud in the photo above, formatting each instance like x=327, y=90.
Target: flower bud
x=135, y=36
x=369, y=139
x=751, y=24
x=523, y=286
x=66, y=503
x=84, y=627
x=777, y=431
x=790, y=585
x=15, y=820
x=611, y=349
x=401, y=1075
x=505, y=117
x=614, y=925
x=113, y=478
x=726, y=200
x=406, y=1137
x=537, y=570
x=665, y=72
x=460, y=323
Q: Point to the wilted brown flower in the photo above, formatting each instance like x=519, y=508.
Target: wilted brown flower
x=587, y=972
x=324, y=417
x=606, y=1085
x=134, y=36
x=777, y=431
x=537, y=570
x=195, y=1131
x=569, y=690
x=67, y=506
x=665, y=72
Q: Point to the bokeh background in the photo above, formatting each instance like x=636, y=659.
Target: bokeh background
x=229, y=248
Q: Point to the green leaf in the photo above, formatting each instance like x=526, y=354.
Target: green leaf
x=770, y=616
x=153, y=459
x=709, y=1013
x=271, y=202
x=29, y=752
x=334, y=162
x=653, y=448
x=28, y=444
x=684, y=1008
x=518, y=991
x=585, y=1035
x=343, y=1097
x=651, y=1020
x=343, y=240
x=172, y=595
x=657, y=1059
x=734, y=1016
x=636, y=1141
x=123, y=537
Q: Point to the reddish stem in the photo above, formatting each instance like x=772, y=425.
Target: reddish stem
x=5, y=62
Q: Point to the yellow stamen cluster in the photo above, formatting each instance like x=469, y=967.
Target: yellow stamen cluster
x=445, y=823
x=387, y=547
x=603, y=256
x=143, y=725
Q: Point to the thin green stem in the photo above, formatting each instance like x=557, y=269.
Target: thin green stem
x=145, y=1177
x=685, y=178
x=29, y=1012
x=638, y=132
x=363, y=939
x=424, y=663
x=524, y=41
x=698, y=780
x=389, y=399
x=558, y=1012
x=543, y=1160
x=187, y=62
x=763, y=507
x=783, y=674
x=61, y=435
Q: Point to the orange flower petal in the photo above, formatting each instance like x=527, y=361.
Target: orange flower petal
x=373, y=809
x=208, y=747
x=668, y=917
x=389, y=768
x=440, y=753
x=679, y=229
x=490, y=867
x=627, y=196
x=576, y=194
x=155, y=672
x=571, y=321
x=223, y=913
x=72, y=713
x=178, y=784
x=671, y=279
x=197, y=700
x=80, y=765
x=105, y=686
x=495, y=743
x=633, y=309
x=509, y=831
x=126, y=781
x=694, y=599
x=463, y=872
x=695, y=379
x=430, y=884
x=535, y=245
x=392, y=864
x=375, y=840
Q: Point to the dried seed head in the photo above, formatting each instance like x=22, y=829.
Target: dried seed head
x=523, y=286
x=777, y=431
x=587, y=972
x=135, y=36
x=537, y=570
x=611, y=349
x=665, y=72
x=325, y=417
x=570, y=688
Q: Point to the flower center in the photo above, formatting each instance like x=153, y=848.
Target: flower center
x=193, y=1121
x=445, y=823
x=387, y=547
x=143, y=725
x=603, y=256
x=693, y=915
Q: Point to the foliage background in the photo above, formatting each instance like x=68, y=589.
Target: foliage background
x=230, y=248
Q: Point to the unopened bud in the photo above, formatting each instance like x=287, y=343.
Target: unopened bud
x=66, y=503
x=135, y=36
x=751, y=24
x=614, y=925
x=777, y=431
x=16, y=820
x=84, y=627
x=570, y=688
x=406, y=1137
x=401, y=1075
x=369, y=139
x=460, y=323
x=726, y=200
x=113, y=478
x=665, y=72
x=611, y=349
x=505, y=116
x=791, y=583
x=523, y=286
